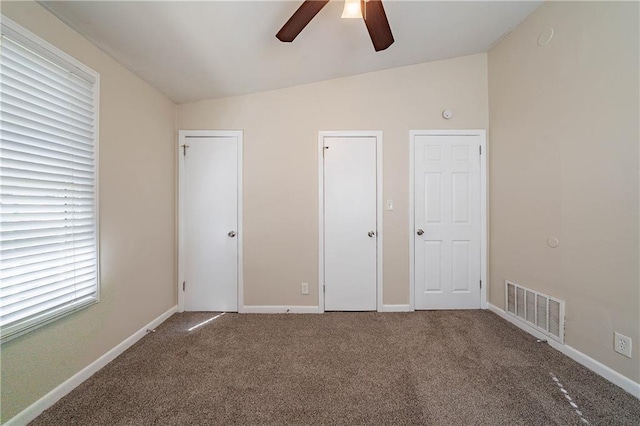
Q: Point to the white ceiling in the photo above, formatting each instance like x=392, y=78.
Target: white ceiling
x=200, y=50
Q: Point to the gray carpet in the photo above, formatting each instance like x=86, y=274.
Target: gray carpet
x=431, y=368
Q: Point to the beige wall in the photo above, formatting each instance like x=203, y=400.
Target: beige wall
x=137, y=184
x=280, y=162
x=564, y=162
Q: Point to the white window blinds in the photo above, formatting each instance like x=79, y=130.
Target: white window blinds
x=48, y=183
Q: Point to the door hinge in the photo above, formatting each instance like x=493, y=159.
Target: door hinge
x=481, y=284
x=324, y=288
x=480, y=149
x=184, y=149
x=184, y=285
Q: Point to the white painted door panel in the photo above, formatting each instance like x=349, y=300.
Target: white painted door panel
x=350, y=267
x=210, y=212
x=447, y=209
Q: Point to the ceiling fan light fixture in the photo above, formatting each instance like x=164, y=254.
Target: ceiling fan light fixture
x=375, y=20
x=351, y=9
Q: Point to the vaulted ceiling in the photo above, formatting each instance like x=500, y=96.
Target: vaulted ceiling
x=200, y=50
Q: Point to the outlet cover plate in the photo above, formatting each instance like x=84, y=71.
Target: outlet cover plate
x=622, y=344
x=304, y=288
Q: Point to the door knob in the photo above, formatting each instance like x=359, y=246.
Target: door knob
x=420, y=232
x=232, y=234
x=371, y=234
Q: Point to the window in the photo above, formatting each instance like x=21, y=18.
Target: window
x=48, y=183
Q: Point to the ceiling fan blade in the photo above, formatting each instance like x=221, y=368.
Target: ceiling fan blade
x=377, y=24
x=300, y=19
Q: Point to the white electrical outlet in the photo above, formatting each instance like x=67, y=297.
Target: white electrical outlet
x=622, y=344
x=304, y=288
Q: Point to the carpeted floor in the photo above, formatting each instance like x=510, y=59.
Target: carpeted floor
x=430, y=368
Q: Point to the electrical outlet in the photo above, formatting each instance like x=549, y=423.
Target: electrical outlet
x=622, y=344
x=304, y=288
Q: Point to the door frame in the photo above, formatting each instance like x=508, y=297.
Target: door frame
x=182, y=137
x=379, y=209
x=482, y=134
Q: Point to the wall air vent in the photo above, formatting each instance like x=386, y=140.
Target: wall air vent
x=542, y=312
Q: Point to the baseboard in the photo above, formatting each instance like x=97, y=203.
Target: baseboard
x=274, y=309
x=35, y=409
x=396, y=308
x=596, y=366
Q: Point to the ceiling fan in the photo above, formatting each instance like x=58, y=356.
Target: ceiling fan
x=372, y=12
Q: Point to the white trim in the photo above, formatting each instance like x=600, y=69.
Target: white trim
x=240, y=261
x=484, y=219
x=412, y=254
x=597, y=367
x=320, y=225
x=396, y=308
x=46, y=49
x=35, y=409
x=181, y=224
x=379, y=209
x=273, y=309
x=379, y=217
x=96, y=100
x=182, y=135
x=484, y=212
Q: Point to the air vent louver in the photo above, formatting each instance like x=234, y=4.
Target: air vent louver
x=511, y=299
x=542, y=312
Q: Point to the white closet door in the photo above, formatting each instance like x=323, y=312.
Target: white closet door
x=210, y=223
x=350, y=231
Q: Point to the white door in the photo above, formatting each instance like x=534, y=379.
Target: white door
x=350, y=231
x=209, y=223
x=447, y=221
